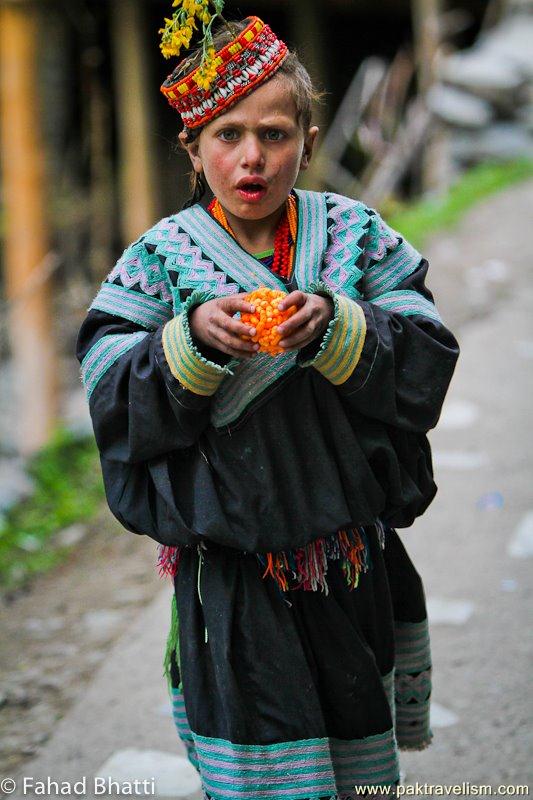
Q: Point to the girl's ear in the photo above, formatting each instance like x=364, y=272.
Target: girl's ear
x=192, y=149
x=309, y=142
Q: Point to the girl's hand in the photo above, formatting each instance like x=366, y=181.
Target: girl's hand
x=212, y=324
x=309, y=322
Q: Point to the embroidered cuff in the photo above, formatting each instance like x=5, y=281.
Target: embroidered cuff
x=185, y=361
x=343, y=339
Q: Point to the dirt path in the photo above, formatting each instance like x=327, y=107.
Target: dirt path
x=56, y=631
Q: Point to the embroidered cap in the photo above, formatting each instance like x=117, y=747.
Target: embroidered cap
x=225, y=76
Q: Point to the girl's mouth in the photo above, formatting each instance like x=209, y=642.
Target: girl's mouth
x=252, y=192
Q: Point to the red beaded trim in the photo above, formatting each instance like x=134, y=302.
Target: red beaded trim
x=241, y=65
x=281, y=264
x=284, y=238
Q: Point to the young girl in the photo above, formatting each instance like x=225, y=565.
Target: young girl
x=274, y=483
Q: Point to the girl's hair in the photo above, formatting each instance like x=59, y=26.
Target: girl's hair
x=300, y=84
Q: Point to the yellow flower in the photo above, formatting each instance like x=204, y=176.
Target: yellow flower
x=178, y=32
x=200, y=81
x=169, y=49
x=182, y=37
x=207, y=73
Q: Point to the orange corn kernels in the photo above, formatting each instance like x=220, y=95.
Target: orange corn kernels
x=266, y=319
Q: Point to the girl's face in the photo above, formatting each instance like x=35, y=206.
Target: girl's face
x=259, y=137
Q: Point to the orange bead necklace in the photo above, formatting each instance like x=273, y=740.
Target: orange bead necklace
x=284, y=238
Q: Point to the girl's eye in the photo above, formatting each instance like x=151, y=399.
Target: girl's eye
x=277, y=135
x=223, y=133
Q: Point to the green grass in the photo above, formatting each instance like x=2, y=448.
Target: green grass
x=68, y=488
x=418, y=221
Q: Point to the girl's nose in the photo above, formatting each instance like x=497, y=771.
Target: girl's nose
x=252, y=152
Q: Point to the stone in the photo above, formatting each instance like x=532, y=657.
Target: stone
x=29, y=542
x=521, y=544
x=478, y=72
x=524, y=347
x=441, y=610
x=15, y=484
x=11, y=744
x=94, y=657
x=29, y=749
x=459, y=459
x=18, y=696
x=459, y=108
x=42, y=628
x=173, y=776
x=68, y=537
x=8, y=408
x=103, y=622
x=510, y=43
x=501, y=141
x=440, y=717
x=165, y=710
x=60, y=650
x=525, y=117
x=129, y=594
x=43, y=719
x=458, y=415
x=75, y=414
x=51, y=683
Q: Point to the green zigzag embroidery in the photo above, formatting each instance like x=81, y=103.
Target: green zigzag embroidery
x=347, y=228
x=185, y=258
x=138, y=267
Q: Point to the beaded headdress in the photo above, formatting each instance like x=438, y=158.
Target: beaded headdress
x=223, y=77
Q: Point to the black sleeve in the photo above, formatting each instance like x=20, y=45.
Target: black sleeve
x=406, y=363
x=139, y=409
x=149, y=389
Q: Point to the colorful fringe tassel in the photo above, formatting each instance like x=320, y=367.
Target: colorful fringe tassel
x=308, y=565
x=172, y=647
x=168, y=560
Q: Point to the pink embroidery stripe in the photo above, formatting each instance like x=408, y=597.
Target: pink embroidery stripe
x=378, y=740
x=260, y=750
x=310, y=787
x=261, y=767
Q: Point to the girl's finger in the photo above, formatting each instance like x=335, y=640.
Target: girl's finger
x=299, y=339
x=235, y=326
x=233, y=303
x=233, y=344
x=298, y=319
x=296, y=298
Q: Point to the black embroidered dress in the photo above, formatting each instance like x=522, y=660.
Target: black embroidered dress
x=272, y=477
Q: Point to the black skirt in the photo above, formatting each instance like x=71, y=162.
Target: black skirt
x=299, y=694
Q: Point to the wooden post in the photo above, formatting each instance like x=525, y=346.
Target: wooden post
x=435, y=171
x=101, y=190
x=426, y=30
x=25, y=238
x=308, y=34
x=133, y=101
